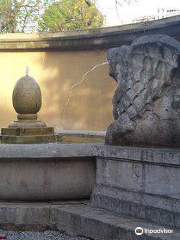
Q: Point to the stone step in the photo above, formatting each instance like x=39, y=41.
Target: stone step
x=98, y=224
x=30, y=139
x=27, y=131
x=79, y=219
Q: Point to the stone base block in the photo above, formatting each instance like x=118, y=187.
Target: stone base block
x=24, y=216
x=46, y=179
x=27, y=131
x=139, y=182
x=29, y=135
x=30, y=139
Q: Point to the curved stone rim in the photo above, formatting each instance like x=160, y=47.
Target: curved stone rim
x=100, y=38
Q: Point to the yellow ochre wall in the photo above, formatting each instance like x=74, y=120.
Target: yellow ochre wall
x=90, y=106
x=59, y=60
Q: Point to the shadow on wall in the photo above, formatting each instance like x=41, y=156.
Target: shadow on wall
x=90, y=106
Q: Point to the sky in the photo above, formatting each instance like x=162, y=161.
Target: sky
x=127, y=13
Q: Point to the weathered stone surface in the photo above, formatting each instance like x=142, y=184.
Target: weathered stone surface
x=26, y=131
x=147, y=100
x=27, y=96
x=27, y=102
x=79, y=219
x=46, y=171
x=29, y=135
x=100, y=224
x=98, y=38
x=25, y=215
x=46, y=151
x=31, y=139
x=140, y=182
x=125, y=196
x=46, y=179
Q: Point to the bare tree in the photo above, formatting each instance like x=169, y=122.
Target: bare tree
x=122, y=3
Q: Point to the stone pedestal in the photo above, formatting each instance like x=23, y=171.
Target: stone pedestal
x=29, y=135
x=27, y=129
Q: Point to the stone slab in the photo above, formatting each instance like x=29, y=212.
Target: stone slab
x=147, y=212
x=150, y=200
x=161, y=155
x=25, y=215
x=47, y=180
x=135, y=178
x=140, y=182
x=143, y=177
x=81, y=133
x=42, y=151
x=27, y=131
x=78, y=219
x=98, y=224
x=30, y=139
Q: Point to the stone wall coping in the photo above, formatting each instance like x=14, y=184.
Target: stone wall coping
x=161, y=155
x=48, y=150
x=81, y=133
x=167, y=156
x=100, y=38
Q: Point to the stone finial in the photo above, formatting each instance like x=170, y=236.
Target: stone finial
x=27, y=102
x=146, y=104
x=27, y=96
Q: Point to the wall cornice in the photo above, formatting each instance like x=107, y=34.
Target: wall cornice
x=101, y=38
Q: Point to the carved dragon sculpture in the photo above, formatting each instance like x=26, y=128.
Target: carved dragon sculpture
x=147, y=99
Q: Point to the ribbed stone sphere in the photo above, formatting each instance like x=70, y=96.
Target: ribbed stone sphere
x=27, y=96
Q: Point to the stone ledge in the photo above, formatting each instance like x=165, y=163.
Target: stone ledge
x=141, y=182
x=44, y=151
x=101, y=38
x=81, y=133
x=25, y=215
x=24, y=131
x=158, y=156
x=31, y=139
x=135, y=197
x=149, y=213
x=161, y=155
x=78, y=219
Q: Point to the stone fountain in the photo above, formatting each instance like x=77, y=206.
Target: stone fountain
x=27, y=101
x=132, y=187
x=42, y=172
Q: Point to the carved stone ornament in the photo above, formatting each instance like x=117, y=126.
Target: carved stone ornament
x=26, y=129
x=146, y=103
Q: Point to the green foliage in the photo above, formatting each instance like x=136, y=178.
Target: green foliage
x=71, y=15
x=48, y=15
x=20, y=15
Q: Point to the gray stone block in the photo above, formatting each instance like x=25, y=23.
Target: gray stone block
x=148, y=213
x=78, y=219
x=120, y=174
x=28, y=215
x=98, y=224
x=46, y=179
x=140, y=182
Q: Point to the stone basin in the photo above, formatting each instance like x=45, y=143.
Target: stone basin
x=42, y=172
